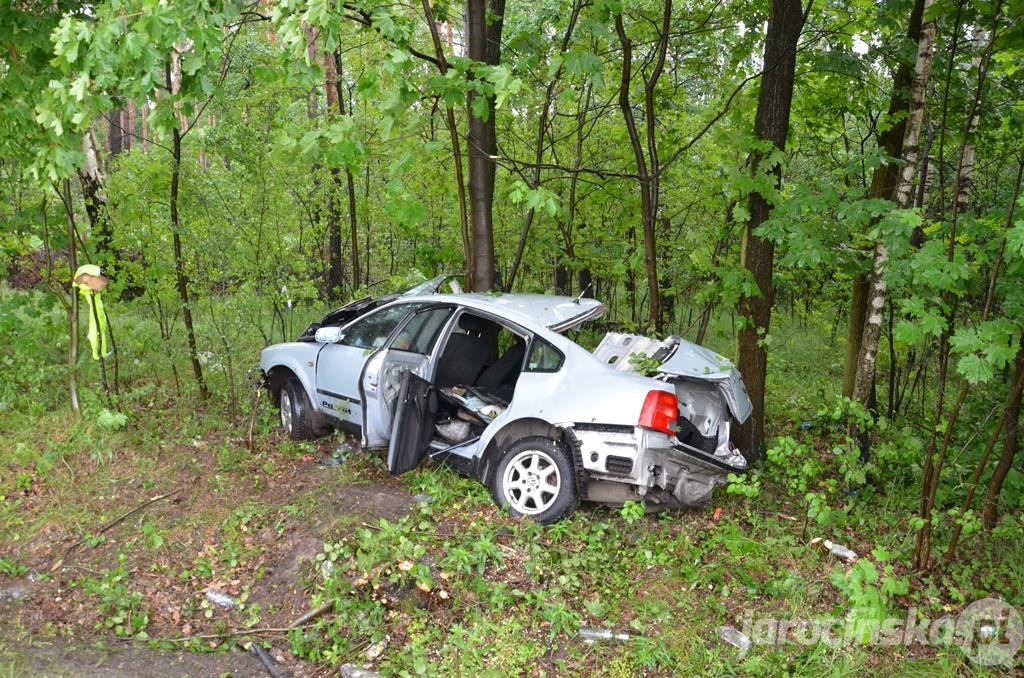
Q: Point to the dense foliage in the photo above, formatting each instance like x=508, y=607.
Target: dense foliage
x=235, y=168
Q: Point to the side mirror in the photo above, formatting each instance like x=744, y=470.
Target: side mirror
x=328, y=335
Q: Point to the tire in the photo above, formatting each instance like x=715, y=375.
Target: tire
x=535, y=478
x=296, y=412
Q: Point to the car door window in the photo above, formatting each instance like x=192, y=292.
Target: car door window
x=543, y=357
x=373, y=330
x=422, y=330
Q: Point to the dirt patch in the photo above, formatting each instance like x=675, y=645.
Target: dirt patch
x=242, y=524
x=60, y=658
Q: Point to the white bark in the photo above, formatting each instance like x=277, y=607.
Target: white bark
x=904, y=195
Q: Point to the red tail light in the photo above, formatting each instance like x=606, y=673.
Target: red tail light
x=660, y=412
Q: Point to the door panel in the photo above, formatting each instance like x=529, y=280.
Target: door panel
x=338, y=369
x=382, y=382
x=415, y=412
x=340, y=366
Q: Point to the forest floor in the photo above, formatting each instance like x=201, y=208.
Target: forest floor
x=186, y=524
x=119, y=551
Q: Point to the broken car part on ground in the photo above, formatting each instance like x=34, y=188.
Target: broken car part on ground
x=490, y=385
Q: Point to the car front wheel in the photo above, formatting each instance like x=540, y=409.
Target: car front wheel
x=296, y=412
x=535, y=478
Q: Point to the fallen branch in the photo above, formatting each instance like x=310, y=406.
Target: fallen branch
x=252, y=416
x=312, y=614
x=225, y=635
x=112, y=523
x=268, y=662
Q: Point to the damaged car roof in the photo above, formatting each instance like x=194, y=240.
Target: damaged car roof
x=557, y=313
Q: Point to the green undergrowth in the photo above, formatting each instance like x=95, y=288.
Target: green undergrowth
x=447, y=584
x=458, y=588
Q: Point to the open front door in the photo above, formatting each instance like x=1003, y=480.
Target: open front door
x=413, y=429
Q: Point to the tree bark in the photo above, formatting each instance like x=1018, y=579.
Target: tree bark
x=1011, y=446
x=883, y=185
x=336, y=260
x=484, y=40
x=181, y=277
x=785, y=22
x=647, y=165
x=72, y=308
x=453, y=134
x=903, y=194
x=91, y=178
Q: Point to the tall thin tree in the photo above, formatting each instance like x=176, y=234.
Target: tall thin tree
x=785, y=22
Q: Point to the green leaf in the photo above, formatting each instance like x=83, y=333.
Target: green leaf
x=974, y=369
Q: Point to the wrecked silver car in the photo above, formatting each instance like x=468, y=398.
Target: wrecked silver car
x=490, y=385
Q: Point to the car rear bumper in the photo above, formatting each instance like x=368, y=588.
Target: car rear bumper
x=650, y=461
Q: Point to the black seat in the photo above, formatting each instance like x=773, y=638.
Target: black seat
x=465, y=353
x=505, y=370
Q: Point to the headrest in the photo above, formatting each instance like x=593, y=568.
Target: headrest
x=473, y=324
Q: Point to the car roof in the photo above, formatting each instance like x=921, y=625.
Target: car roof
x=554, y=312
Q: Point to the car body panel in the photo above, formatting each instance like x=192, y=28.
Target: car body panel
x=380, y=385
x=338, y=370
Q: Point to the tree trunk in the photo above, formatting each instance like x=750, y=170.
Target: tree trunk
x=484, y=38
x=883, y=185
x=538, y=149
x=865, y=375
x=1011, y=440
x=181, y=277
x=785, y=21
x=647, y=166
x=335, y=277
x=453, y=133
x=1011, y=446
x=72, y=307
x=1012, y=409
x=91, y=178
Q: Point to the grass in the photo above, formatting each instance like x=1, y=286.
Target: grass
x=448, y=585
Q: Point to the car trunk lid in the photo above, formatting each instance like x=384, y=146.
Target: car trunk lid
x=677, y=358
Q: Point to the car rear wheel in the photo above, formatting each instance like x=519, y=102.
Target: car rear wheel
x=535, y=478
x=296, y=412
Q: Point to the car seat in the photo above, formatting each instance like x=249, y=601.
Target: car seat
x=465, y=353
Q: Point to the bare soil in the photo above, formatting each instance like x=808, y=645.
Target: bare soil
x=251, y=532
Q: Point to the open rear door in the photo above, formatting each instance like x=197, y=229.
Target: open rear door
x=413, y=428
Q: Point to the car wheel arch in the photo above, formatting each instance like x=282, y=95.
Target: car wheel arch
x=528, y=428
x=276, y=377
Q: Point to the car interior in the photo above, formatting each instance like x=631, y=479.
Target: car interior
x=476, y=376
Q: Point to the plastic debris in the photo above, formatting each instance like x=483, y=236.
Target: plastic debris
x=591, y=635
x=377, y=649
x=353, y=671
x=423, y=499
x=734, y=637
x=454, y=430
x=220, y=598
x=11, y=594
x=838, y=550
